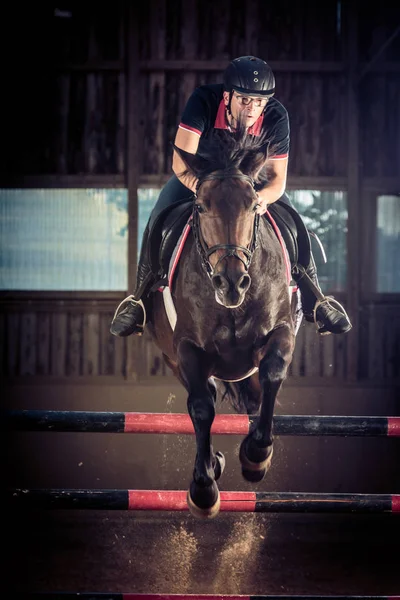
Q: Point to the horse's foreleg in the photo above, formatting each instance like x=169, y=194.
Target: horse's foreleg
x=256, y=449
x=203, y=495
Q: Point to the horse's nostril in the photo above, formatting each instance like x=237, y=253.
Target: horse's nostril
x=244, y=283
x=219, y=282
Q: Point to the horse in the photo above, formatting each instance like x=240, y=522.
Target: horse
x=235, y=325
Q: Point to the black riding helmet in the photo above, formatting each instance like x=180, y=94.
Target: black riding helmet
x=249, y=75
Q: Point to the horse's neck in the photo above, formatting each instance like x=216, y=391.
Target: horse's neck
x=268, y=245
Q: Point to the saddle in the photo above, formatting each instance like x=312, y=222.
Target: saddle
x=167, y=228
x=164, y=236
x=294, y=233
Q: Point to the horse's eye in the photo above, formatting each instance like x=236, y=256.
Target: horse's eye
x=199, y=208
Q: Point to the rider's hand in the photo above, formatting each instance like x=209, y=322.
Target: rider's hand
x=262, y=206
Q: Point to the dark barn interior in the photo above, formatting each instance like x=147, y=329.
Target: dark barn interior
x=92, y=97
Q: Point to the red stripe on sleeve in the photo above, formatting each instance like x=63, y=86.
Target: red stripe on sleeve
x=192, y=129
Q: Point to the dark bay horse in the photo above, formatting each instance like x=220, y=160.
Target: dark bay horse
x=235, y=329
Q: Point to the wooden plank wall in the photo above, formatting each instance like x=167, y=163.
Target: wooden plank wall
x=76, y=118
x=78, y=344
x=380, y=343
x=60, y=344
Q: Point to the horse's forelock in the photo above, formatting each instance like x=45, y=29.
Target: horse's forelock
x=234, y=150
x=227, y=151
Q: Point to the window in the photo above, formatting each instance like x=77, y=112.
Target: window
x=63, y=239
x=388, y=244
x=77, y=239
x=147, y=197
x=325, y=214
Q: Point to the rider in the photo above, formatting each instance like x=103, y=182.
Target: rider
x=248, y=89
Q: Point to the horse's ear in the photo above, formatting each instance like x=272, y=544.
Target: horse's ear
x=195, y=164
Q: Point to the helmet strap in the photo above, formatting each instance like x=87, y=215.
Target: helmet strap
x=228, y=108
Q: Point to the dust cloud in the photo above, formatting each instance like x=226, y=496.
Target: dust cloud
x=178, y=550
x=238, y=557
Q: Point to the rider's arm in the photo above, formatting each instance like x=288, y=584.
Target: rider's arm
x=277, y=121
x=188, y=141
x=274, y=190
x=194, y=121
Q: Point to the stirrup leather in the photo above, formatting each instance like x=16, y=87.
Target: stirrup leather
x=327, y=300
x=140, y=302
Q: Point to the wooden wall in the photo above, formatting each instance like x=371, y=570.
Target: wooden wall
x=60, y=343
x=75, y=342
x=71, y=101
x=94, y=97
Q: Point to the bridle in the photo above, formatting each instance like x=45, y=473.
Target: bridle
x=230, y=249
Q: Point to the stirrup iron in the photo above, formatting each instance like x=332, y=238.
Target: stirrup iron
x=327, y=300
x=140, y=302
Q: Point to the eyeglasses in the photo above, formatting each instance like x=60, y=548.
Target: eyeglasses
x=246, y=100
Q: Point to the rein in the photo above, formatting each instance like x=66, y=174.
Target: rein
x=230, y=249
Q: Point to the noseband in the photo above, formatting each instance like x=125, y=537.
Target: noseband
x=230, y=249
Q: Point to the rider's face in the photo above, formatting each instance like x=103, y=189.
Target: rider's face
x=249, y=107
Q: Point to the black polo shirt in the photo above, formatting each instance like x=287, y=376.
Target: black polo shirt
x=205, y=110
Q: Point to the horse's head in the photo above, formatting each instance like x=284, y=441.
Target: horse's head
x=225, y=221
x=225, y=225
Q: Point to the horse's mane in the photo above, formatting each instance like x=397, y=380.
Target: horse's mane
x=229, y=151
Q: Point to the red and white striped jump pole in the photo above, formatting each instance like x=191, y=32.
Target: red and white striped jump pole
x=224, y=424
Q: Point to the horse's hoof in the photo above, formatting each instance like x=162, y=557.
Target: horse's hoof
x=205, y=512
x=253, y=476
x=219, y=466
x=254, y=471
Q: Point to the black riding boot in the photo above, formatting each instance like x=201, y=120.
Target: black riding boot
x=130, y=316
x=325, y=311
